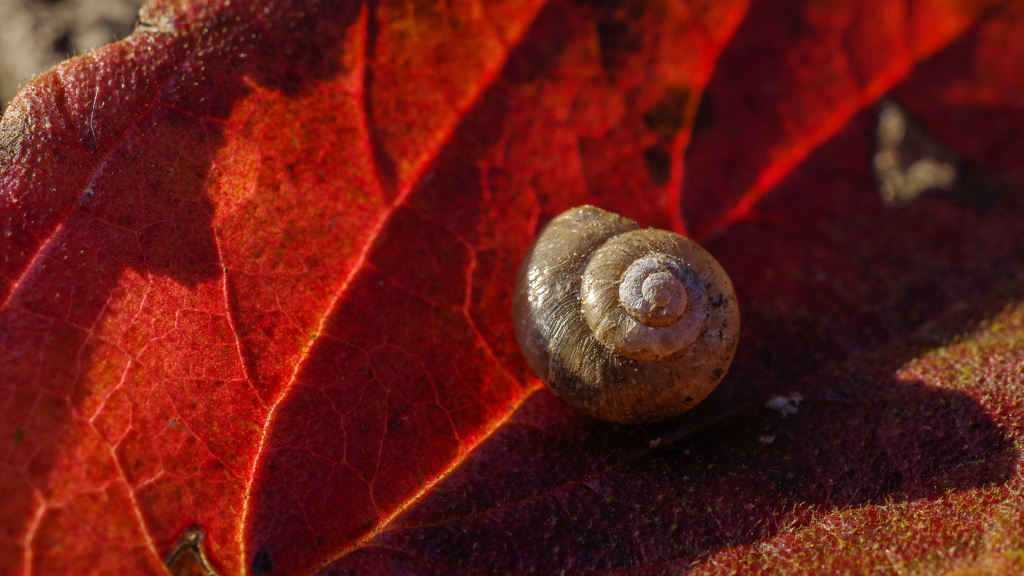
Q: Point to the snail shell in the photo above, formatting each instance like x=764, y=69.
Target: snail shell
x=625, y=324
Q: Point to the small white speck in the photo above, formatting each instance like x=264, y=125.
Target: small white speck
x=766, y=439
x=785, y=405
x=654, y=443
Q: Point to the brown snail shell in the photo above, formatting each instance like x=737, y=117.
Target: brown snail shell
x=626, y=324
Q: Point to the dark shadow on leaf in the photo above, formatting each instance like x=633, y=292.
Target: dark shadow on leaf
x=570, y=492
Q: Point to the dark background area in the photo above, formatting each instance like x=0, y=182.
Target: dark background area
x=35, y=35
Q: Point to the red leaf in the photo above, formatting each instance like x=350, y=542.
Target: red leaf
x=258, y=263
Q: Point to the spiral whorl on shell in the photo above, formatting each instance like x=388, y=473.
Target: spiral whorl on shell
x=626, y=324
